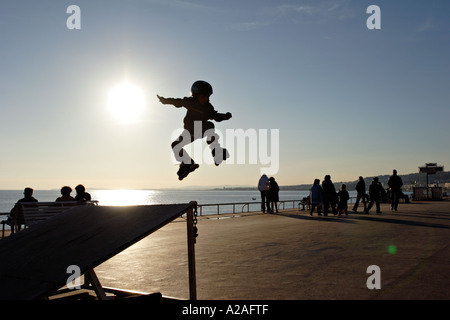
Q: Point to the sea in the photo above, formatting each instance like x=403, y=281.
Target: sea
x=208, y=199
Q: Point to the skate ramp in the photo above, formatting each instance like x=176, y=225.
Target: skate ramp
x=34, y=262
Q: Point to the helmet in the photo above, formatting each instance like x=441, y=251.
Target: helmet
x=201, y=87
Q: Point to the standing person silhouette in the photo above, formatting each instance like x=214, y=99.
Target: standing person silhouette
x=343, y=197
x=263, y=187
x=395, y=183
x=375, y=193
x=274, y=189
x=329, y=195
x=360, y=194
x=316, y=196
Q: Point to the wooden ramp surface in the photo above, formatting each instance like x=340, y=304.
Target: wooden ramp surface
x=33, y=262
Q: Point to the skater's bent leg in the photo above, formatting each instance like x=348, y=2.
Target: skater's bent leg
x=212, y=139
x=177, y=147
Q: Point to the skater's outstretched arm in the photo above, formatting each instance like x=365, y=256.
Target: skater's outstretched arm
x=171, y=101
x=222, y=116
x=190, y=104
x=178, y=103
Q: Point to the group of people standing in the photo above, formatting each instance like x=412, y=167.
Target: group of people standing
x=269, y=190
x=326, y=196
x=323, y=196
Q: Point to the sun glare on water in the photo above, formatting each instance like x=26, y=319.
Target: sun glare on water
x=126, y=102
x=125, y=197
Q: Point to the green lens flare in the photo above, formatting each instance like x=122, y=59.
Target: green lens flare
x=392, y=249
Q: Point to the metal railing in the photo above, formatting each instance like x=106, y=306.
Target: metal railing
x=245, y=207
x=237, y=207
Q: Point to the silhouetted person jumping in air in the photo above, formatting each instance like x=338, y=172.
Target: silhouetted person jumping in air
x=199, y=112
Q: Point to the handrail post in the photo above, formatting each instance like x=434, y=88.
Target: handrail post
x=191, y=254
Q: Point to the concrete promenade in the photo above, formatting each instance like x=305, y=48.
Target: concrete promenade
x=293, y=256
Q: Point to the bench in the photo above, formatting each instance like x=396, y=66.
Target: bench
x=304, y=202
x=4, y=223
x=29, y=213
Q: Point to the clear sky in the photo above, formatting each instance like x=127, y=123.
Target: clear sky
x=346, y=100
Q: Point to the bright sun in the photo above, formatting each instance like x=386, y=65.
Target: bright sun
x=126, y=102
